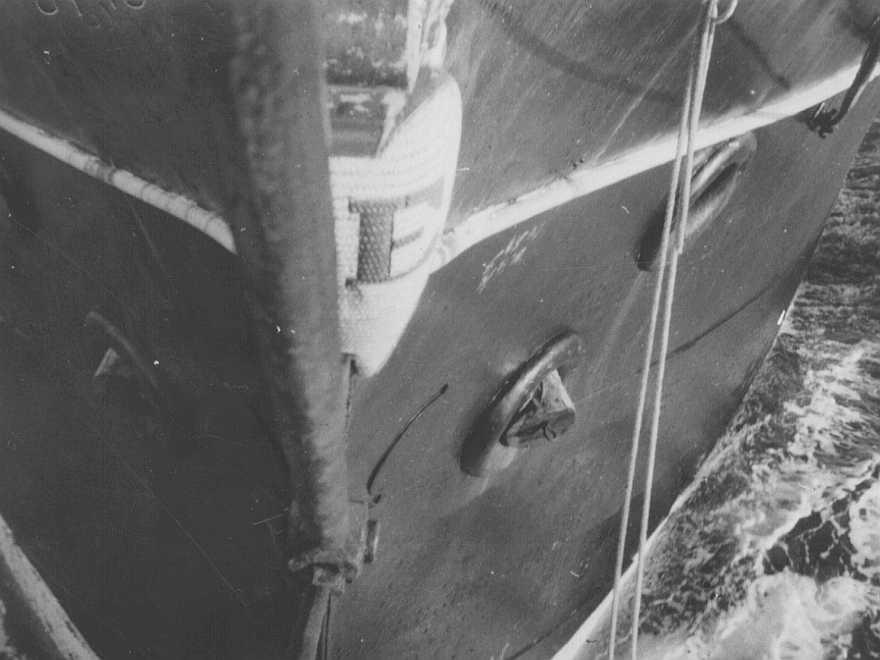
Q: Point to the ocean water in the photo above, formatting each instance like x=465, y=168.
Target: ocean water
x=774, y=550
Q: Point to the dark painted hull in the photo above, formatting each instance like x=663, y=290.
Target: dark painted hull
x=574, y=82
x=160, y=524
x=520, y=560
x=609, y=78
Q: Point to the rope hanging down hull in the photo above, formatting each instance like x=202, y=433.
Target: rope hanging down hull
x=230, y=125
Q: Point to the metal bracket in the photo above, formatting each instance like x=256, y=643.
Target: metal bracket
x=333, y=568
x=823, y=119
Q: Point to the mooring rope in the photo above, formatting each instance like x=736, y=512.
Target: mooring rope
x=646, y=369
x=679, y=189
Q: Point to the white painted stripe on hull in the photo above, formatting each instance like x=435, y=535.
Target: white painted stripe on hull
x=482, y=224
x=590, y=178
x=179, y=206
x=41, y=607
x=580, y=645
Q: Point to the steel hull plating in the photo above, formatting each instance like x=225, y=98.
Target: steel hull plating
x=466, y=566
x=157, y=512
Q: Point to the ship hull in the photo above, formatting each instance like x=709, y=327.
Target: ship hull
x=466, y=566
x=153, y=501
x=518, y=559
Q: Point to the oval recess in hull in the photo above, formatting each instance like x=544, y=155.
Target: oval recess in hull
x=466, y=567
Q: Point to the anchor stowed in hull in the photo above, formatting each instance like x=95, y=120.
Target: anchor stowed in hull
x=207, y=512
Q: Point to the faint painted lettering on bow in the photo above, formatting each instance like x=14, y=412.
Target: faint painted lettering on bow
x=512, y=253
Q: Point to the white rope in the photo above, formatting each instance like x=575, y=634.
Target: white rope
x=697, y=101
x=679, y=189
x=646, y=367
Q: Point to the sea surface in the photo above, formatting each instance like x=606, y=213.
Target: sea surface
x=774, y=550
